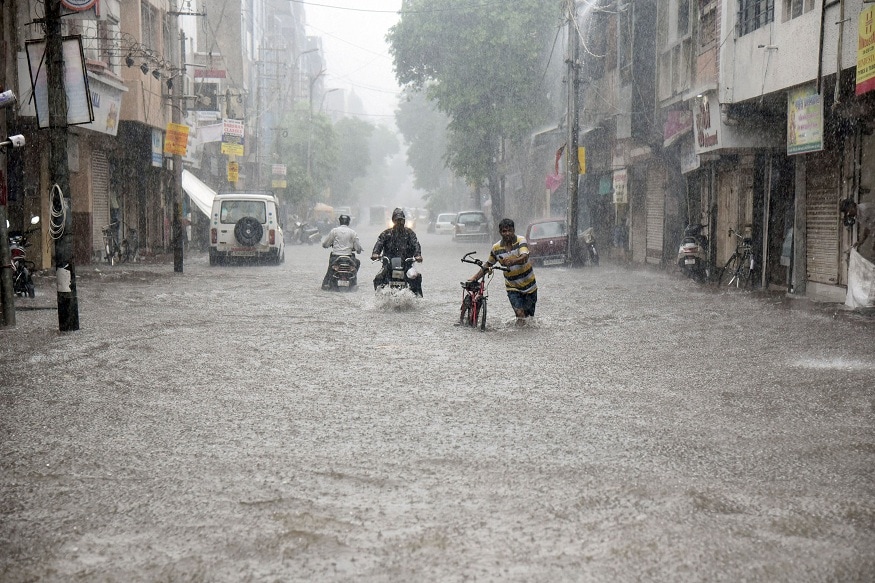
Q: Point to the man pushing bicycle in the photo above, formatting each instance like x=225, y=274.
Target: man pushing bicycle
x=512, y=251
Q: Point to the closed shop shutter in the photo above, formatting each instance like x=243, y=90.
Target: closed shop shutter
x=100, y=198
x=655, y=213
x=822, y=220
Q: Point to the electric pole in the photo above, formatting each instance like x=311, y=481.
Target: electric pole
x=176, y=117
x=572, y=171
x=59, y=171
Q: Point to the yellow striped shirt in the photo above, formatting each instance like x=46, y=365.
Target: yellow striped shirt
x=521, y=277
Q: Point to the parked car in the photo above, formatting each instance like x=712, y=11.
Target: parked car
x=472, y=226
x=246, y=226
x=548, y=241
x=445, y=224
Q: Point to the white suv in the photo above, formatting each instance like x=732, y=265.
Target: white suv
x=246, y=225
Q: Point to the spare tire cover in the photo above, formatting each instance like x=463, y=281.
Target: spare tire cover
x=248, y=231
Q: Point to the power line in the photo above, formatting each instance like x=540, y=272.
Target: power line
x=402, y=11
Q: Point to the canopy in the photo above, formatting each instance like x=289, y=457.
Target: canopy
x=201, y=194
x=321, y=207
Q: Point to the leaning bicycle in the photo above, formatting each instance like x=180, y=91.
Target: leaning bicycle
x=738, y=271
x=111, y=249
x=474, y=294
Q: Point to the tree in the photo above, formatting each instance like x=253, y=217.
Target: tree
x=354, y=157
x=481, y=65
x=309, y=150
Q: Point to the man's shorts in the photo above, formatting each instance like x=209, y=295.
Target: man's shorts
x=524, y=302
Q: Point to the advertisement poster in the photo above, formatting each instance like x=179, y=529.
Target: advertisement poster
x=106, y=101
x=176, y=142
x=620, y=195
x=804, y=120
x=157, y=148
x=232, y=137
x=866, y=51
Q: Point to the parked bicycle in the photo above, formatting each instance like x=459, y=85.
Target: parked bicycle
x=738, y=271
x=474, y=295
x=111, y=248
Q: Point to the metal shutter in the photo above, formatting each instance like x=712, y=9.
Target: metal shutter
x=822, y=220
x=100, y=198
x=655, y=212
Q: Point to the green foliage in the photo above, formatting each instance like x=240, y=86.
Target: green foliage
x=307, y=137
x=354, y=157
x=481, y=63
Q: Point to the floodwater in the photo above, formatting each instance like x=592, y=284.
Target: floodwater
x=236, y=423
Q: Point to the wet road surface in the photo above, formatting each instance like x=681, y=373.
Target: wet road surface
x=236, y=423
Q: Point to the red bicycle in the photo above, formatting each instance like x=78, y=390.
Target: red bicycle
x=474, y=295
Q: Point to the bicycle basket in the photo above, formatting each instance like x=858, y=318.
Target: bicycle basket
x=471, y=285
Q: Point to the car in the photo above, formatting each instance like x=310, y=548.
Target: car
x=445, y=224
x=246, y=226
x=472, y=226
x=548, y=241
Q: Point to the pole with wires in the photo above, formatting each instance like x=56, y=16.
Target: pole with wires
x=572, y=172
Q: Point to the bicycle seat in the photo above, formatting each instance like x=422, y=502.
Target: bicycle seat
x=471, y=285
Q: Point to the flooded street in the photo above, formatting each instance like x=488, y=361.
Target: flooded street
x=236, y=423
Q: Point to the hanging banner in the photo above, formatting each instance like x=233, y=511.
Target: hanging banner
x=804, y=120
x=176, y=142
x=866, y=51
x=232, y=137
x=75, y=81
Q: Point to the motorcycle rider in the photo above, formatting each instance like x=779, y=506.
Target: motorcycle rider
x=343, y=241
x=398, y=241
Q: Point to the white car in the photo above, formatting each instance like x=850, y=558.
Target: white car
x=445, y=223
x=246, y=226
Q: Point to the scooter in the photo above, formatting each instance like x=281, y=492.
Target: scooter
x=588, y=237
x=693, y=254
x=22, y=268
x=344, y=273
x=305, y=233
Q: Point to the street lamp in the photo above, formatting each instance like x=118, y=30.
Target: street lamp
x=324, y=95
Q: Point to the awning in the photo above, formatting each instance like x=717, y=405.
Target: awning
x=201, y=194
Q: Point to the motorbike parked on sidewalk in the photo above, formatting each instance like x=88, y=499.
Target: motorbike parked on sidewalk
x=692, y=256
x=588, y=238
x=343, y=273
x=22, y=268
x=305, y=233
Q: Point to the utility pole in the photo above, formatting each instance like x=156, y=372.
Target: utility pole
x=572, y=171
x=176, y=117
x=59, y=171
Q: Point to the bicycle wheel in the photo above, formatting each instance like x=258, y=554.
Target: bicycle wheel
x=481, y=313
x=465, y=314
x=730, y=270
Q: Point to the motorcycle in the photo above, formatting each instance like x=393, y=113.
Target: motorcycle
x=398, y=272
x=305, y=233
x=22, y=268
x=693, y=254
x=344, y=273
x=588, y=238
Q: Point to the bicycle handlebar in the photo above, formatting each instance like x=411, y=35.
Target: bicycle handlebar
x=479, y=263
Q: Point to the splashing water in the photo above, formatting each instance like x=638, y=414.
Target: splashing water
x=388, y=298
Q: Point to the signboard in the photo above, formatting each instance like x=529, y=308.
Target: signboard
x=677, y=123
x=707, y=122
x=866, y=51
x=157, y=148
x=232, y=137
x=581, y=160
x=279, y=169
x=176, y=142
x=278, y=183
x=620, y=194
x=75, y=81
x=804, y=120
x=233, y=171
x=78, y=5
x=106, y=102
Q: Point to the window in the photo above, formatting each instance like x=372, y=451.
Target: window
x=794, y=8
x=674, y=39
x=754, y=14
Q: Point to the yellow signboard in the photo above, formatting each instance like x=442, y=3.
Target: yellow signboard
x=233, y=171
x=581, y=160
x=176, y=141
x=278, y=184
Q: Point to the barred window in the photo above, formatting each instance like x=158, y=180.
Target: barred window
x=794, y=8
x=754, y=14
